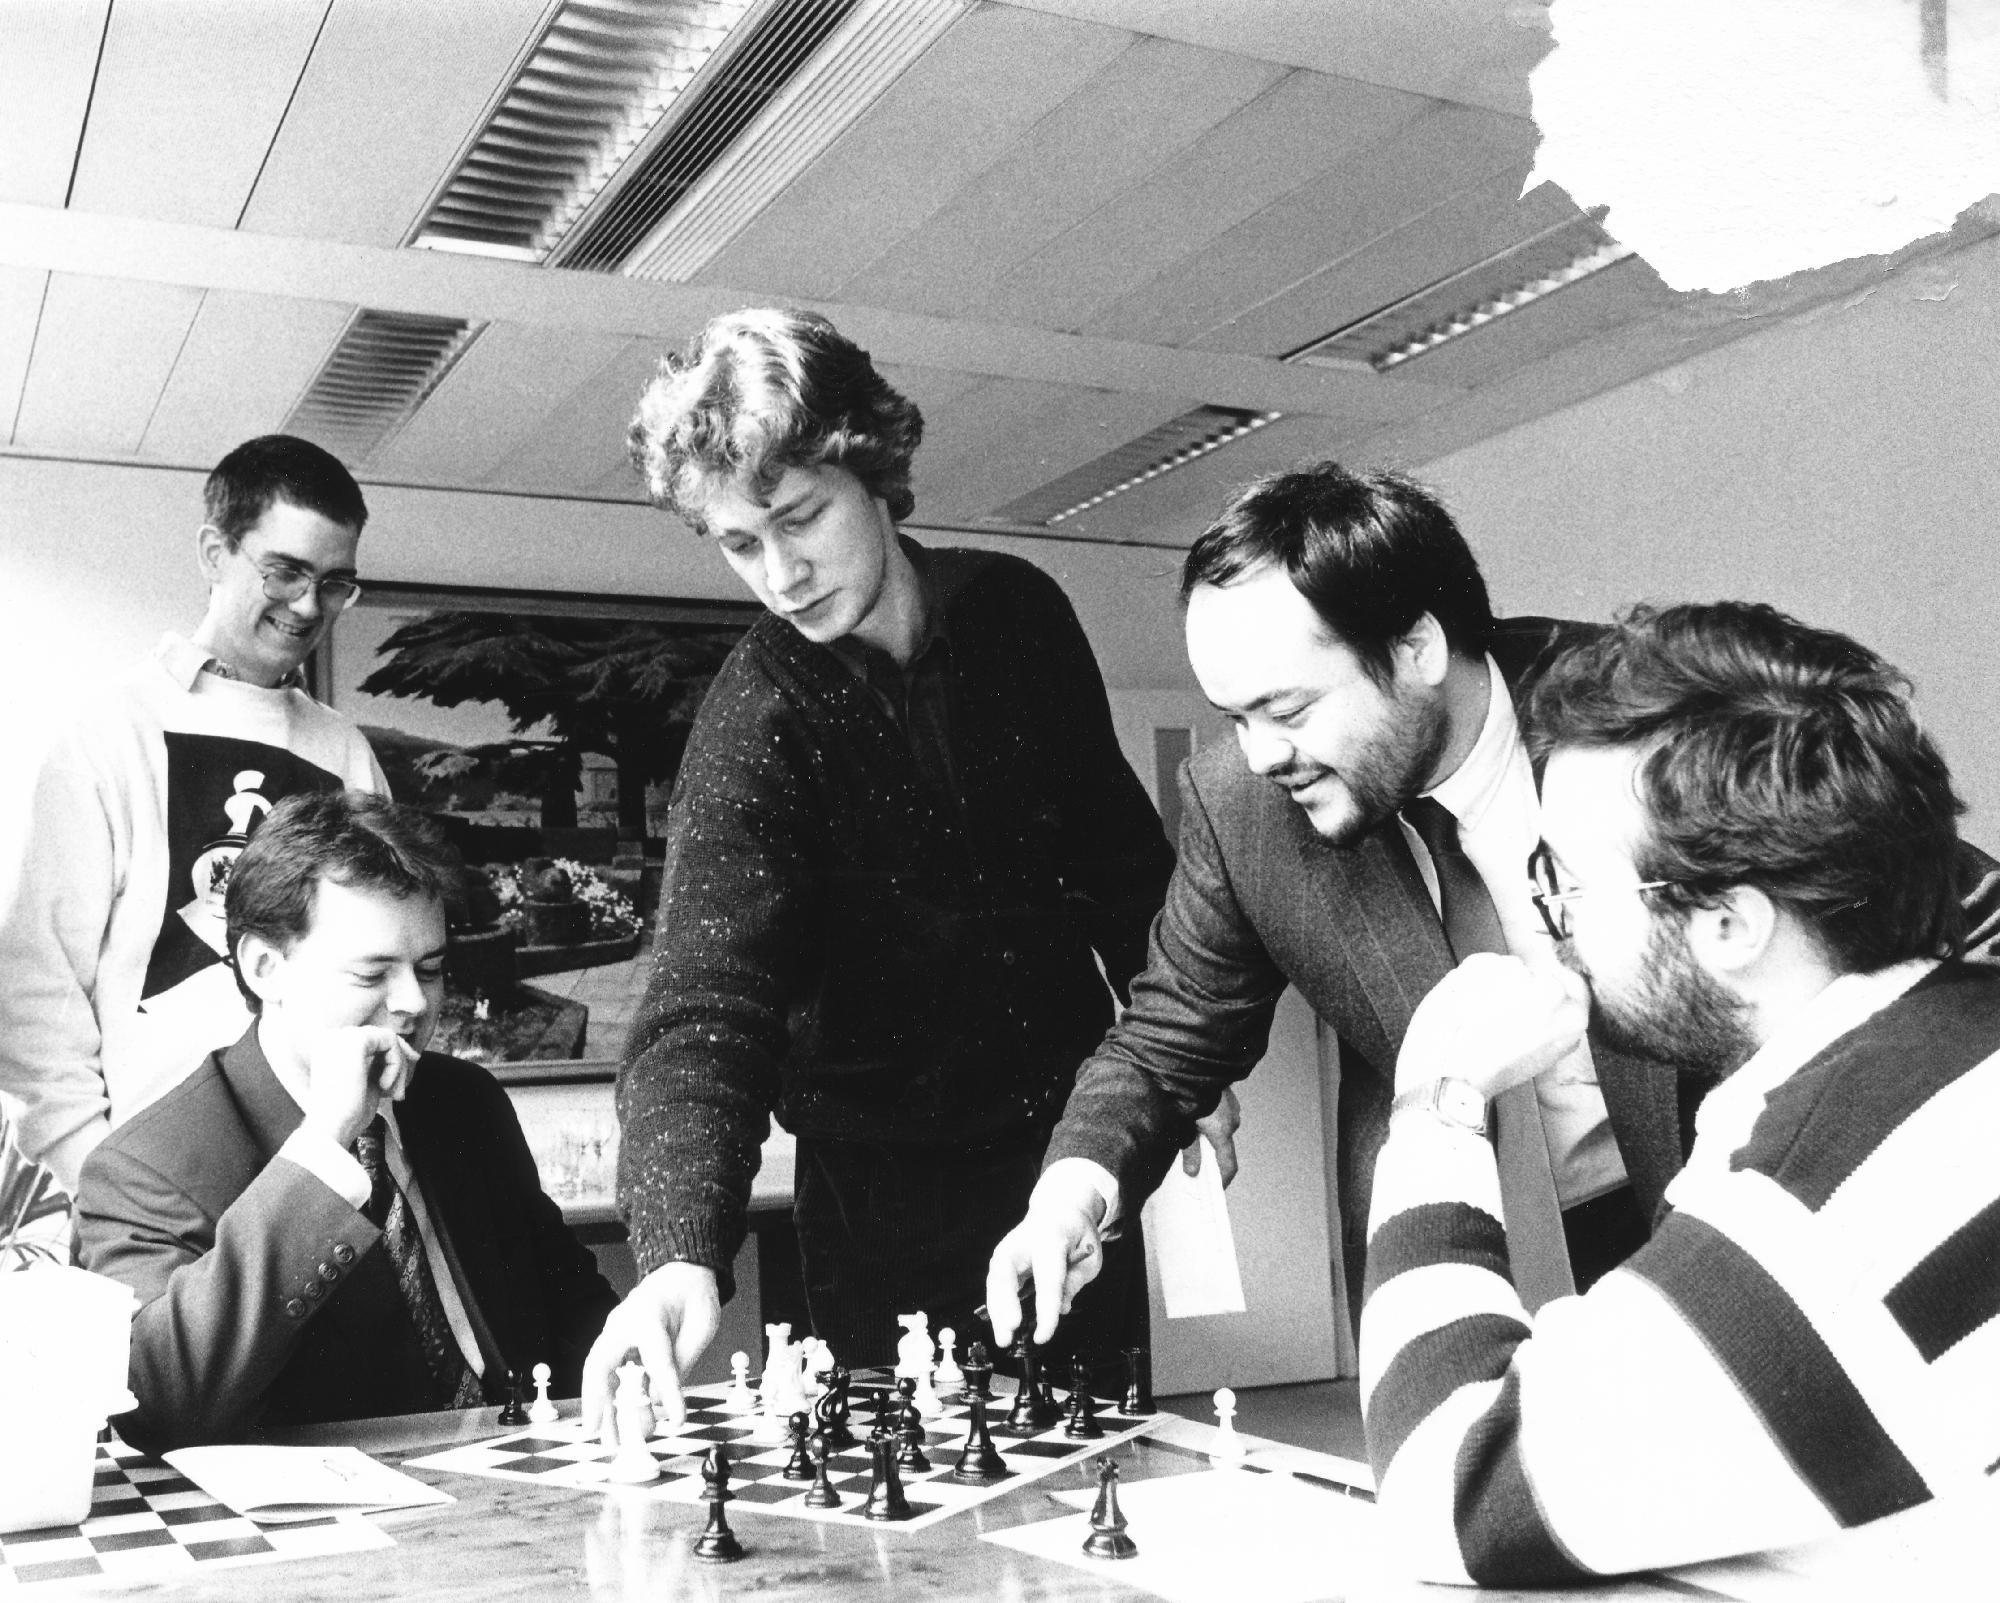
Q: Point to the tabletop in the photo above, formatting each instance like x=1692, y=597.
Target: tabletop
x=501, y=1540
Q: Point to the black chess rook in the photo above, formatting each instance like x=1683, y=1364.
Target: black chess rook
x=1138, y=1382
x=885, y=1497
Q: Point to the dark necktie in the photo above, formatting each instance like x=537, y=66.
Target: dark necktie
x=454, y=1385
x=1533, y=1214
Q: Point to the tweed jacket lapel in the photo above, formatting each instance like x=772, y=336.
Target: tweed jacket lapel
x=1375, y=907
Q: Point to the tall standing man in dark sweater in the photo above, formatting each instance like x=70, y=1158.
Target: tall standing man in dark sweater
x=902, y=843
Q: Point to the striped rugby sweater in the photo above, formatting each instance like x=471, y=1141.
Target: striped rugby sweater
x=1807, y=1343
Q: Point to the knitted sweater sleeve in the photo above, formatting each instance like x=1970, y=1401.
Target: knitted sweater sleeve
x=737, y=903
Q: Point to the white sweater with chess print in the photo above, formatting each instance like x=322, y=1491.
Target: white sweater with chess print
x=1808, y=1342
x=112, y=984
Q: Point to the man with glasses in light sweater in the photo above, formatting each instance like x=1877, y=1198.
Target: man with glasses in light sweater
x=111, y=893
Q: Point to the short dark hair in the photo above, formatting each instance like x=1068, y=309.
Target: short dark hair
x=351, y=837
x=1372, y=552
x=1777, y=756
x=280, y=467
x=757, y=392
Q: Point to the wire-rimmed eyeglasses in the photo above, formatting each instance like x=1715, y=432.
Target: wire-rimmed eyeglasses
x=336, y=594
x=1552, y=901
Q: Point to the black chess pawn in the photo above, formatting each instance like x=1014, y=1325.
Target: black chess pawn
x=1035, y=1409
x=1081, y=1426
x=980, y=1464
x=717, y=1542
x=516, y=1410
x=1138, y=1382
x=910, y=1430
x=978, y=1371
x=800, y=1466
x=885, y=1497
x=883, y=1428
x=822, y=1494
x=1107, y=1538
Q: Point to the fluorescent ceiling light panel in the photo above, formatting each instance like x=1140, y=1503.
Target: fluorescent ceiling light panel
x=1454, y=306
x=381, y=370
x=1172, y=445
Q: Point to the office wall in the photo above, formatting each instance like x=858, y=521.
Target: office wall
x=97, y=559
x=1841, y=466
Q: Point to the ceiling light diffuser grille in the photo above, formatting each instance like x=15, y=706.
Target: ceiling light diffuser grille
x=1173, y=444
x=604, y=73
x=701, y=129
x=1496, y=287
x=379, y=373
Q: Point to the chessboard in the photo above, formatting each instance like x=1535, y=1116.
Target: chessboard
x=562, y=1455
x=149, y=1523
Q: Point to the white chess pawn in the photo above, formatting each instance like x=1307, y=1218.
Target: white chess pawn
x=1227, y=1451
x=929, y=1404
x=541, y=1411
x=815, y=1359
x=950, y=1379
x=634, y=1463
x=740, y=1399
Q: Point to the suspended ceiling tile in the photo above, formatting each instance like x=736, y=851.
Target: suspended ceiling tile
x=1007, y=438
x=188, y=98
x=955, y=112
x=1145, y=108
x=103, y=352
x=932, y=388
x=1343, y=210
x=1476, y=51
x=493, y=402
x=581, y=438
x=1623, y=293
x=1305, y=125
x=21, y=290
x=246, y=361
x=391, y=94
x=1460, y=230
x=45, y=75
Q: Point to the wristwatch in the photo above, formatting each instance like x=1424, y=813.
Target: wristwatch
x=1453, y=1101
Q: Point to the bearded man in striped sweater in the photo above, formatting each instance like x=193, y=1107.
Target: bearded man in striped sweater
x=1748, y=866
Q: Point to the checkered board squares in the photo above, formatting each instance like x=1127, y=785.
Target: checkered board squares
x=148, y=1523
x=561, y=1455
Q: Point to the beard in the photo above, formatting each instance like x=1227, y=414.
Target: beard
x=1387, y=773
x=1676, y=1013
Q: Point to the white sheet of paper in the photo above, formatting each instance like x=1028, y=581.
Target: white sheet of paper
x=1191, y=1245
x=1220, y=1534
x=280, y=1484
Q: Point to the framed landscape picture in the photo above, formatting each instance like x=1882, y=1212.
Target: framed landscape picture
x=544, y=732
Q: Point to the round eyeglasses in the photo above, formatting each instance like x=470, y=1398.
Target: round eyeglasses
x=288, y=584
x=1552, y=901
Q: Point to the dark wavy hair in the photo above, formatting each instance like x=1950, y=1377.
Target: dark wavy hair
x=280, y=467
x=757, y=392
x=351, y=837
x=1778, y=756
x=1372, y=552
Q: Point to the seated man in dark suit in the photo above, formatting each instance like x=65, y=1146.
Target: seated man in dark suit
x=324, y=1221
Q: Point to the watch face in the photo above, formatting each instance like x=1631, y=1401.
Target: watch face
x=1460, y=1102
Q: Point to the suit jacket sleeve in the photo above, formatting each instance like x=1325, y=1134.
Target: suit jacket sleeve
x=1199, y=1021
x=223, y=1302
x=1116, y=858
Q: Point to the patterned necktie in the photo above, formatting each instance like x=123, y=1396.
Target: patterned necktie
x=1535, y=1244
x=388, y=1209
